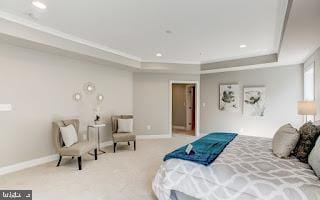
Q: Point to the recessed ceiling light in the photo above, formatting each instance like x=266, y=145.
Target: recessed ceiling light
x=39, y=5
x=243, y=46
x=158, y=54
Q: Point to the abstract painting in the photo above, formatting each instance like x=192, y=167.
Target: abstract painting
x=254, y=101
x=229, y=97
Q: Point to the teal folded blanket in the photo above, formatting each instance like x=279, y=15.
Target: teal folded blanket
x=205, y=149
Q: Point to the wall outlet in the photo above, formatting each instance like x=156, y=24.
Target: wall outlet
x=149, y=127
x=203, y=104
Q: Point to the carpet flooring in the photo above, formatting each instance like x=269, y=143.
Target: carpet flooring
x=126, y=174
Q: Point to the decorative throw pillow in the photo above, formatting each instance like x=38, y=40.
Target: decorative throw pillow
x=308, y=136
x=284, y=141
x=314, y=158
x=69, y=135
x=125, y=125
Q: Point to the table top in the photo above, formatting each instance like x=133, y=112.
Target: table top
x=96, y=125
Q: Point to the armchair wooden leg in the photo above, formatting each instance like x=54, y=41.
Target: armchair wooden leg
x=134, y=145
x=79, y=163
x=129, y=143
x=59, y=161
x=96, y=154
x=114, y=147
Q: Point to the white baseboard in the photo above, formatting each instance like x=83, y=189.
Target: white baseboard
x=105, y=144
x=37, y=161
x=179, y=127
x=153, y=136
x=28, y=164
x=54, y=157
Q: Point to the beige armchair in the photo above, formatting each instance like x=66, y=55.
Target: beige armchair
x=121, y=137
x=78, y=149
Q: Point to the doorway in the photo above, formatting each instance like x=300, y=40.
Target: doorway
x=184, y=108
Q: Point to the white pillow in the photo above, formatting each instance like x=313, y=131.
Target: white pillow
x=314, y=158
x=125, y=125
x=69, y=135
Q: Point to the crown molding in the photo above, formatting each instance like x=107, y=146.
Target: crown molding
x=51, y=31
x=262, y=59
x=249, y=67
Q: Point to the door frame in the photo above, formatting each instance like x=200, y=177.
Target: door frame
x=197, y=104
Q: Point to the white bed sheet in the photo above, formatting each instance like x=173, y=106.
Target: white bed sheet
x=245, y=170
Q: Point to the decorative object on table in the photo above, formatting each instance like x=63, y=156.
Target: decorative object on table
x=96, y=112
x=118, y=136
x=284, y=141
x=100, y=98
x=254, y=101
x=229, y=97
x=78, y=149
x=96, y=120
x=77, y=96
x=96, y=126
x=89, y=88
x=308, y=136
x=307, y=108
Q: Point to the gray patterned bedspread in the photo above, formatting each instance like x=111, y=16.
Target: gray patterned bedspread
x=245, y=170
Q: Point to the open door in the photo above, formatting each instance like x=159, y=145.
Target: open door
x=190, y=107
x=184, y=107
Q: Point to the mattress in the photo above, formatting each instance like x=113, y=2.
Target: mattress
x=246, y=169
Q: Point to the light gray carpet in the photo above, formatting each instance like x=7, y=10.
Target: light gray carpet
x=123, y=175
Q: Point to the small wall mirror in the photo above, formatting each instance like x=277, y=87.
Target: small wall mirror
x=89, y=88
x=77, y=96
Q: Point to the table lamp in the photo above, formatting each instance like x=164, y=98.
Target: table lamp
x=307, y=108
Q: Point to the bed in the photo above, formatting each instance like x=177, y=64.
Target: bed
x=245, y=170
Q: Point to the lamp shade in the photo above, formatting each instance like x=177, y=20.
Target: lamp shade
x=307, y=108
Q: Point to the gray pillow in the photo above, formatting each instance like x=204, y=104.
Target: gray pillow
x=284, y=141
x=314, y=158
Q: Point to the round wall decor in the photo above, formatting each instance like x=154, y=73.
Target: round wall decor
x=77, y=96
x=100, y=98
x=89, y=88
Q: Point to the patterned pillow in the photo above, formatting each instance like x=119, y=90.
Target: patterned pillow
x=308, y=136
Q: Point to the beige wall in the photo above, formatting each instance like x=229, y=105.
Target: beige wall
x=315, y=58
x=151, y=101
x=284, y=88
x=40, y=87
x=178, y=105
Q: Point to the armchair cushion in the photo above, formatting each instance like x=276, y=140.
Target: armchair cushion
x=78, y=149
x=125, y=125
x=123, y=137
x=69, y=135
